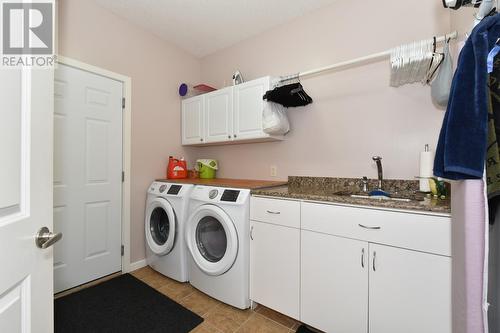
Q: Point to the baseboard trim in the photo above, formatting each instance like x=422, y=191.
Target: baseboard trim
x=138, y=264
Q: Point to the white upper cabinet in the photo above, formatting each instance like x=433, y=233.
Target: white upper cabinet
x=228, y=115
x=219, y=115
x=248, y=108
x=192, y=121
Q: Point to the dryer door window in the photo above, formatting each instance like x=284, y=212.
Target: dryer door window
x=160, y=226
x=212, y=239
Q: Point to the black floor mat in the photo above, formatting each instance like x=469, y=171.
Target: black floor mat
x=122, y=305
x=304, y=329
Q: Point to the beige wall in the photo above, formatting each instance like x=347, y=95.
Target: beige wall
x=93, y=35
x=355, y=113
x=462, y=20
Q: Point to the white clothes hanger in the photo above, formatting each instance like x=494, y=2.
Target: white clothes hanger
x=484, y=9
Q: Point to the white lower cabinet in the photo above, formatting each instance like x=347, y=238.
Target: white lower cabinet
x=357, y=270
x=334, y=283
x=410, y=291
x=275, y=267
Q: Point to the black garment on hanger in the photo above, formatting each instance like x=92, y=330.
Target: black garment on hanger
x=460, y=3
x=493, y=156
x=290, y=95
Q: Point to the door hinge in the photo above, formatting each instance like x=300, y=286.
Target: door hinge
x=123, y=250
x=123, y=176
x=123, y=103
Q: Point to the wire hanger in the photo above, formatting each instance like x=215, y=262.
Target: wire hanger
x=289, y=92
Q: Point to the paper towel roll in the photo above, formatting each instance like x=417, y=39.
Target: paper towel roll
x=426, y=166
x=426, y=163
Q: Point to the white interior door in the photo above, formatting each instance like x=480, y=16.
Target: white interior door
x=26, y=104
x=87, y=176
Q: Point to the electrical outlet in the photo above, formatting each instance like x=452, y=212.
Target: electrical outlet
x=274, y=171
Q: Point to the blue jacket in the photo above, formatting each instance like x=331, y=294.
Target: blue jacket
x=461, y=149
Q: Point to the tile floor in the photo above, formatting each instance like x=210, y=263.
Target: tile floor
x=219, y=317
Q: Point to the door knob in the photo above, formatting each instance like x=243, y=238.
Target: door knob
x=44, y=238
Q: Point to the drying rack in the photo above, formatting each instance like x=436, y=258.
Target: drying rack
x=350, y=63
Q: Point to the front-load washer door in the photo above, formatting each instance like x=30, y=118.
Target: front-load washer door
x=212, y=239
x=160, y=226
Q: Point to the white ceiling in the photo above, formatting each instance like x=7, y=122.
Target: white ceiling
x=202, y=27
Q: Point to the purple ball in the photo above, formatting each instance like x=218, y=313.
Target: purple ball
x=183, y=89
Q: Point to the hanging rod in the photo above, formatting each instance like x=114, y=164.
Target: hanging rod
x=362, y=60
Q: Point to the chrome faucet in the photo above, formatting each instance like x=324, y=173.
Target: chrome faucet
x=364, y=184
x=378, y=160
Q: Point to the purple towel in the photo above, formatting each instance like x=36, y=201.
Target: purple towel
x=468, y=251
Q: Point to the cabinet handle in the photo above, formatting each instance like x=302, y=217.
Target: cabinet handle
x=229, y=136
x=368, y=227
x=363, y=258
x=271, y=212
x=234, y=135
x=201, y=140
x=251, y=233
x=374, y=258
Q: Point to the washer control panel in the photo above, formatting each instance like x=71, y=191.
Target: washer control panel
x=213, y=193
x=160, y=188
x=174, y=189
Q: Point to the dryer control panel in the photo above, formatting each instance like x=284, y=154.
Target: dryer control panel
x=232, y=196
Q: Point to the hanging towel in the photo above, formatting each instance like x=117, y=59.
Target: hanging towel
x=461, y=149
x=469, y=252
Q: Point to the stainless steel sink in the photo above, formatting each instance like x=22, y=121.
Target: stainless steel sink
x=377, y=197
x=380, y=197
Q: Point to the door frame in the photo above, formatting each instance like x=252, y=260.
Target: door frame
x=126, y=147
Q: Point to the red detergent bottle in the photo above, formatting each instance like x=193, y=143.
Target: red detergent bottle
x=176, y=169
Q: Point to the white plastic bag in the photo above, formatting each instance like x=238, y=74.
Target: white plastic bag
x=275, y=119
x=441, y=86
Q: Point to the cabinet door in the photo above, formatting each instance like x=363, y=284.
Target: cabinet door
x=192, y=121
x=248, y=108
x=219, y=115
x=410, y=291
x=334, y=283
x=275, y=267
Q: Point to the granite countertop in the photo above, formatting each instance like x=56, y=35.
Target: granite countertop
x=227, y=182
x=330, y=190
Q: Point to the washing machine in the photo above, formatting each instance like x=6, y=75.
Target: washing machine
x=217, y=238
x=166, y=213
